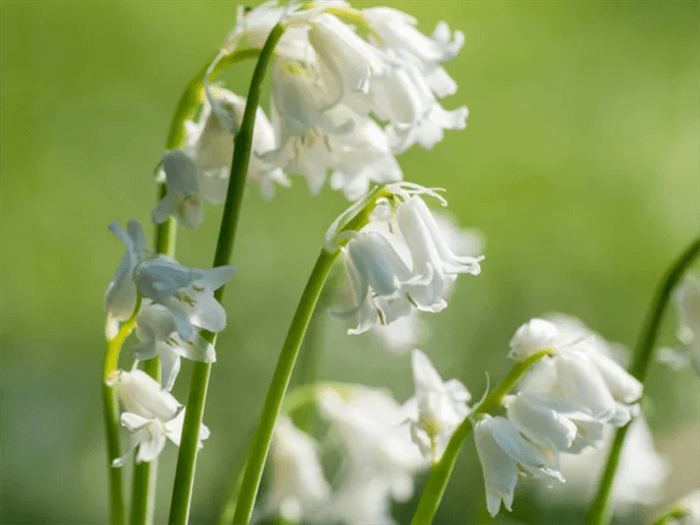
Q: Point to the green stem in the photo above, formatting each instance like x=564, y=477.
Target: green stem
x=194, y=412
x=442, y=470
x=278, y=387
x=117, y=512
x=600, y=512
x=117, y=507
x=143, y=485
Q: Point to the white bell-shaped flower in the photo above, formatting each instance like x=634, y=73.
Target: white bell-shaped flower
x=347, y=57
x=157, y=331
x=401, y=260
x=210, y=142
x=398, y=32
x=150, y=414
x=184, y=199
x=188, y=293
x=120, y=298
x=579, y=371
x=377, y=273
x=553, y=422
x=503, y=452
x=438, y=407
x=434, y=264
x=371, y=426
x=298, y=487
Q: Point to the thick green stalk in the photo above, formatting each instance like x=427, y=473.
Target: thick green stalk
x=600, y=512
x=442, y=470
x=285, y=365
x=187, y=456
x=278, y=387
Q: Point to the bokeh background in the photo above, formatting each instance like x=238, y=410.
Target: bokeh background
x=579, y=164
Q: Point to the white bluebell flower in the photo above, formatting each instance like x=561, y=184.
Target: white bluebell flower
x=157, y=331
x=151, y=415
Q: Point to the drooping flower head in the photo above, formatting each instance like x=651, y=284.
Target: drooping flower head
x=580, y=371
x=151, y=415
x=437, y=408
x=187, y=293
x=157, y=331
x=298, y=488
x=399, y=261
x=331, y=85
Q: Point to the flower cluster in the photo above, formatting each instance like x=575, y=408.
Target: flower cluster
x=331, y=90
x=170, y=304
x=562, y=407
x=400, y=261
x=368, y=427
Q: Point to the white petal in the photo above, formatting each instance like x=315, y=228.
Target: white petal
x=622, y=385
x=540, y=424
x=150, y=448
x=500, y=470
x=133, y=421
x=170, y=366
x=581, y=382
x=533, y=336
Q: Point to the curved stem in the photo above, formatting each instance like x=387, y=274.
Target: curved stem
x=278, y=387
x=442, y=470
x=601, y=511
x=194, y=411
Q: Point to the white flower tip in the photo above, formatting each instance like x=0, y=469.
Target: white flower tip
x=533, y=336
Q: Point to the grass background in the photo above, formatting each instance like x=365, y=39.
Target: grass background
x=579, y=164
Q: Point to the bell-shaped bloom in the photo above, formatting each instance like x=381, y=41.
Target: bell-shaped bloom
x=686, y=298
x=503, y=452
x=434, y=264
x=579, y=371
x=377, y=274
x=371, y=426
x=120, y=298
x=188, y=293
x=397, y=31
x=345, y=56
x=157, y=331
x=438, y=407
x=298, y=487
x=210, y=143
x=150, y=414
x=400, y=261
x=554, y=423
x=183, y=200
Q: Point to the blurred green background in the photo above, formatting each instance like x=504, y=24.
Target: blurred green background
x=579, y=164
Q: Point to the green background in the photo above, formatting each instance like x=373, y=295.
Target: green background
x=579, y=164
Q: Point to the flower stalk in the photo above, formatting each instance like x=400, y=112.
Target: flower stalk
x=442, y=470
x=288, y=355
x=187, y=456
x=600, y=511
x=117, y=508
